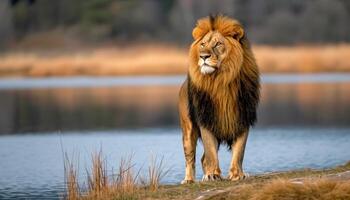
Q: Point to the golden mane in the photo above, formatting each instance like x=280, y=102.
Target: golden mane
x=226, y=26
x=234, y=91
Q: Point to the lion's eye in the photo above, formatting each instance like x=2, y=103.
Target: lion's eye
x=202, y=45
x=218, y=44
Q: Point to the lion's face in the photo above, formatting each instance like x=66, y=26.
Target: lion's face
x=212, y=50
x=217, y=48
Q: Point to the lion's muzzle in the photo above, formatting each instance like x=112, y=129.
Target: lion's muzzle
x=206, y=68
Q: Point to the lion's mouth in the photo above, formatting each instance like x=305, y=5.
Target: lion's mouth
x=207, y=69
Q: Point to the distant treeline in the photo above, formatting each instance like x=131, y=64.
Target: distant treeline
x=267, y=22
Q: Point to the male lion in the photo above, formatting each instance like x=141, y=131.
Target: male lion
x=218, y=100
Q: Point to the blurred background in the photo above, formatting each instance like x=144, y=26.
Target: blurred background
x=110, y=37
x=78, y=75
x=270, y=22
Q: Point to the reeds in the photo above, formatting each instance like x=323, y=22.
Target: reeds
x=71, y=179
x=125, y=182
x=156, y=172
x=97, y=178
x=121, y=184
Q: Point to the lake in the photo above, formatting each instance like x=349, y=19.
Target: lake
x=303, y=122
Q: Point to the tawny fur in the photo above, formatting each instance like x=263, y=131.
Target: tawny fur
x=221, y=105
x=239, y=68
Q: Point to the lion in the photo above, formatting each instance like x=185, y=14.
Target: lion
x=218, y=100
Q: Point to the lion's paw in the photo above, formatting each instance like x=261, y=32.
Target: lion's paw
x=211, y=177
x=183, y=182
x=237, y=177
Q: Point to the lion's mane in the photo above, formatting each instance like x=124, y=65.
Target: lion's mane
x=224, y=103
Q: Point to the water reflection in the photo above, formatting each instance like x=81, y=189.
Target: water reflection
x=305, y=104
x=289, y=111
x=87, y=108
x=124, y=107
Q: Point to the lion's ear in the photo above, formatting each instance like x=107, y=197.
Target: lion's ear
x=237, y=32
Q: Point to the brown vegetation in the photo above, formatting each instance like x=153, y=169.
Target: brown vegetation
x=283, y=189
x=312, y=184
x=70, y=175
x=125, y=184
x=134, y=60
x=309, y=184
x=320, y=189
x=306, y=59
x=156, y=172
x=165, y=60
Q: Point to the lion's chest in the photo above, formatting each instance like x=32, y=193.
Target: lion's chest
x=215, y=113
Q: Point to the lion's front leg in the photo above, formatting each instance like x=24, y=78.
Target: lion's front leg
x=190, y=134
x=210, y=161
x=238, y=147
x=189, y=139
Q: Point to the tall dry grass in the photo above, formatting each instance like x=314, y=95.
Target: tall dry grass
x=126, y=181
x=71, y=179
x=303, y=59
x=284, y=189
x=156, y=172
x=97, y=178
x=135, y=60
x=120, y=184
x=165, y=60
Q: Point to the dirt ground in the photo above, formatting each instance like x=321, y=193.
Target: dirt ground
x=333, y=183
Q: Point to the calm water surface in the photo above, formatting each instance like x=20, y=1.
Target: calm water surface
x=303, y=122
x=32, y=165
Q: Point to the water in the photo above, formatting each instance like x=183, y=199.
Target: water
x=32, y=165
x=52, y=104
x=303, y=122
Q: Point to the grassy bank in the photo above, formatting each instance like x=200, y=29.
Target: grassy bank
x=300, y=184
x=126, y=183
x=163, y=59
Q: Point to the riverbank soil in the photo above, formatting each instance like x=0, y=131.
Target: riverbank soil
x=333, y=183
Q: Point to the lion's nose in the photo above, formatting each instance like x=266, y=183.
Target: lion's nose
x=205, y=56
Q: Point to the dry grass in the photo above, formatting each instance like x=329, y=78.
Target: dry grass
x=124, y=184
x=283, y=189
x=304, y=59
x=97, y=178
x=301, y=184
x=318, y=190
x=71, y=179
x=256, y=186
x=156, y=172
x=163, y=59
x=136, y=60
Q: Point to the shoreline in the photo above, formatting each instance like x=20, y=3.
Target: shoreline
x=246, y=189
x=151, y=80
